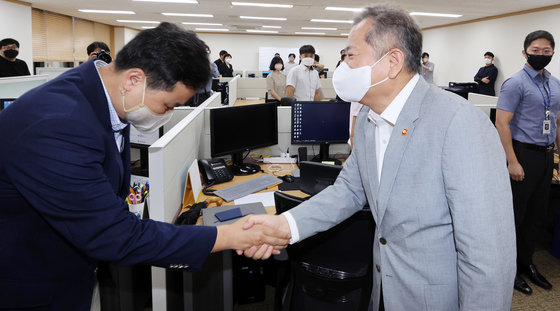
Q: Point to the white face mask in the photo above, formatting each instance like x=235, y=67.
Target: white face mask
x=292, y=60
x=425, y=60
x=487, y=61
x=308, y=61
x=352, y=84
x=228, y=60
x=142, y=117
x=278, y=66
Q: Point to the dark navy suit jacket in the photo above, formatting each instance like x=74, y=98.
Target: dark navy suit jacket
x=62, y=184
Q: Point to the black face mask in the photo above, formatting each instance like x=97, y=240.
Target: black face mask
x=538, y=62
x=11, y=53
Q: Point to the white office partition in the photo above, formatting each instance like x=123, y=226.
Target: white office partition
x=169, y=160
x=233, y=91
x=14, y=87
x=328, y=89
x=51, y=72
x=251, y=88
x=483, y=102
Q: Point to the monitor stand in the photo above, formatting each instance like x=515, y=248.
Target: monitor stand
x=323, y=155
x=239, y=168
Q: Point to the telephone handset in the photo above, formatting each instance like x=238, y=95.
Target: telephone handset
x=214, y=171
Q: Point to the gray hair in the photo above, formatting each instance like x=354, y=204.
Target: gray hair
x=393, y=28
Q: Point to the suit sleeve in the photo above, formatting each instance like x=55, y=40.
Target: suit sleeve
x=478, y=77
x=332, y=205
x=57, y=165
x=494, y=74
x=479, y=196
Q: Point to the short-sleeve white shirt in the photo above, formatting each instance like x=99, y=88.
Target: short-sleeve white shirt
x=305, y=82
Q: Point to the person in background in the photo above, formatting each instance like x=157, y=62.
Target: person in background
x=202, y=94
x=290, y=64
x=303, y=81
x=277, y=55
x=95, y=48
x=354, y=110
x=276, y=81
x=220, y=62
x=486, y=76
x=342, y=55
x=430, y=165
x=342, y=58
x=320, y=67
x=527, y=119
x=427, y=70
x=227, y=68
x=65, y=173
x=10, y=65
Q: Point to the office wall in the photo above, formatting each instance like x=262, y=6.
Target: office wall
x=122, y=36
x=457, y=51
x=245, y=48
x=15, y=22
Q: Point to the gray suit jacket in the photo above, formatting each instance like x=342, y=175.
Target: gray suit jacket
x=443, y=206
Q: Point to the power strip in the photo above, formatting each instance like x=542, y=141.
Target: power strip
x=279, y=160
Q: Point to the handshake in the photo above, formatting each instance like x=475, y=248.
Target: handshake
x=255, y=236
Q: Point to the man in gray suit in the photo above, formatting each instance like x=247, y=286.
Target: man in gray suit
x=433, y=171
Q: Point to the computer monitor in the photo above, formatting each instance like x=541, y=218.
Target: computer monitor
x=5, y=102
x=235, y=130
x=321, y=123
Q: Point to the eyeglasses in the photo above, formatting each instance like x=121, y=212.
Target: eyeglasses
x=545, y=51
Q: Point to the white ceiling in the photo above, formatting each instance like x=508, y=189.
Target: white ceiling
x=297, y=17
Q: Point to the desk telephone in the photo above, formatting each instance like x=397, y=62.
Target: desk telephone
x=214, y=171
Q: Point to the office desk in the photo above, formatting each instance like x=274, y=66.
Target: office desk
x=211, y=288
x=243, y=102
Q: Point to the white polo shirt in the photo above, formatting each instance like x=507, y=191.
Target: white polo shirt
x=305, y=82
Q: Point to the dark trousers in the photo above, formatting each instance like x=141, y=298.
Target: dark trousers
x=530, y=198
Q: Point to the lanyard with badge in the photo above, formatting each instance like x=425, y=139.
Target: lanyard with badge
x=546, y=121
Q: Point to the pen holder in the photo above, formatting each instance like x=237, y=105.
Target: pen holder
x=137, y=209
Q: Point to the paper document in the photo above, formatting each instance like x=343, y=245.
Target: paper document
x=266, y=198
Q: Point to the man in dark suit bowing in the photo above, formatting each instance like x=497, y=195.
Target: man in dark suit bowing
x=64, y=173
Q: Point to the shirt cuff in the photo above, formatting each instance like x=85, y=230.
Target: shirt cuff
x=293, y=227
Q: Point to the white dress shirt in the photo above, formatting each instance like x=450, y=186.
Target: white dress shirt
x=384, y=123
x=305, y=82
x=116, y=123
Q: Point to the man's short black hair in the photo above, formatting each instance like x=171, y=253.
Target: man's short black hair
x=306, y=49
x=223, y=52
x=292, y=54
x=343, y=51
x=9, y=41
x=425, y=54
x=97, y=44
x=275, y=60
x=539, y=34
x=168, y=55
x=317, y=58
x=489, y=54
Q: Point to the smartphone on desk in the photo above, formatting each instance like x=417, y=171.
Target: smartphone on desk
x=214, y=171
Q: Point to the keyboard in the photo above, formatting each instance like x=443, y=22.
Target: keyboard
x=245, y=188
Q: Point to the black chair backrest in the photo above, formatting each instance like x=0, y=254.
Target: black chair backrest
x=285, y=202
x=316, y=176
x=287, y=101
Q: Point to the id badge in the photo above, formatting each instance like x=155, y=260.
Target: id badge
x=546, y=127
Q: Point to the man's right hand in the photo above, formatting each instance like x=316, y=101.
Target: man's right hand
x=278, y=222
x=516, y=171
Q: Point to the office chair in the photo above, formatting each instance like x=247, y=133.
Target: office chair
x=331, y=270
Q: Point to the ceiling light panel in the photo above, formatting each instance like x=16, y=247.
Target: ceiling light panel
x=335, y=8
x=188, y=15
x=275, y=27
x=318, y=28
x=135, y=21
x=202, y=24
x=212, y=29
x=170, y=1
x=309, y=33
x=332, y=21
x=435, y=14
x=264, y=18
x=106, y=11
x=264, y=5
x=261, y=31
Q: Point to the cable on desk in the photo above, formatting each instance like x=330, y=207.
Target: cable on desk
x=207, y=191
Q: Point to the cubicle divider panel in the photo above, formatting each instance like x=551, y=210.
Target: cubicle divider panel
x=328, y=89
x=483, y=102
x=251, y=87
x=52, y=72
x=233, y=91
x=169, y=160
x=14, y=87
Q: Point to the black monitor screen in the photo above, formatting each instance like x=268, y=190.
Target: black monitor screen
x=242, y=128
x=5, y=102
x=320, y=122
